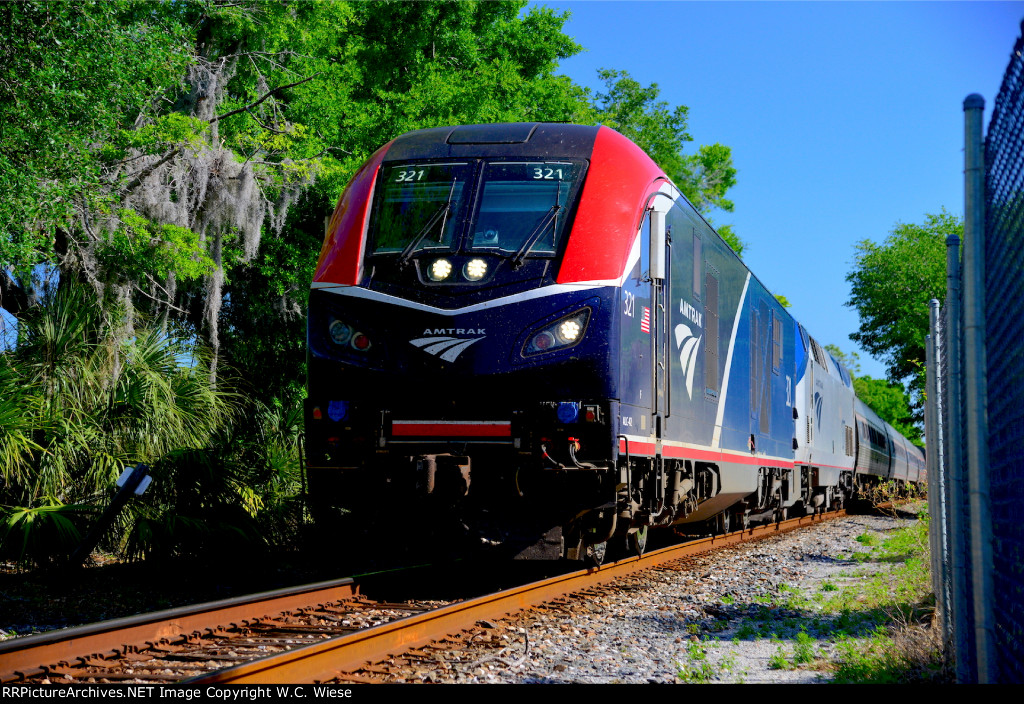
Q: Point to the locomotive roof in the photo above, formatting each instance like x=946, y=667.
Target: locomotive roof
x=510, y=139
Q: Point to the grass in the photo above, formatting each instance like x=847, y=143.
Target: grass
x=746, y=631
x=867, y=539
x=697, y=669
x=891, y=655
x=871, y=627
x=778, y=660
x=804, y=650
x=728, y=664
x=897, y=604
x=890, y=613
x=719, y=626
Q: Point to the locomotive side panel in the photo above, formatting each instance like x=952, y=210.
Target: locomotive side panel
x=825, y=426
x=731, y=378
x=916, y=471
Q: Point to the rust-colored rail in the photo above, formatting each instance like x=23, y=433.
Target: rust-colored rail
x=333, y=658
x=42, y=654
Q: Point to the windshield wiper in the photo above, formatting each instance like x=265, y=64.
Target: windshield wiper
x=445, y=208
x=524, y=249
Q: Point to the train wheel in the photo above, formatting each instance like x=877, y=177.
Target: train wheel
x=723, y=523
x=596, y=554
x=638, y=541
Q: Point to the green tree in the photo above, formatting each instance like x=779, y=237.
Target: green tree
x=890, y=286
x=71, y=76
x=81, y=401
x=222, y=114
x=407, y=66
x=78, y=403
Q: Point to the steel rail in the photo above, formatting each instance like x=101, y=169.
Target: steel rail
x=40, y=654
x=334, y=658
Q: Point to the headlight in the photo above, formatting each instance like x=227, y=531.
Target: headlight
x=440, y=270
x=569, y=331
x=344, y=335
x=561, y=334
x=475, y=269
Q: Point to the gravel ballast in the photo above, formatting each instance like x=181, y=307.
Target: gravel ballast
x=725, y=616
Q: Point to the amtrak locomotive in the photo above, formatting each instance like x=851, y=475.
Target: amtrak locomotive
x=525, y=331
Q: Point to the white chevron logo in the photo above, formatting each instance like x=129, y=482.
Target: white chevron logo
x=688, y=346
x=447, y=348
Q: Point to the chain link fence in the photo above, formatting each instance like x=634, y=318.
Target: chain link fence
x=1004, y=296
x=975, y=409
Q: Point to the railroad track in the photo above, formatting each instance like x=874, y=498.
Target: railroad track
x=321, y=632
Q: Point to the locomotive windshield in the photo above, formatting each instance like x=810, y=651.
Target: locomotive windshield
x=523, y=201
x=520, y=209
x=419, y=206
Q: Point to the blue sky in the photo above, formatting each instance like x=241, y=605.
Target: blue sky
x=844, y=118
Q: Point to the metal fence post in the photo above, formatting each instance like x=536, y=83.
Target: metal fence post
x=938, y=534
x=976, y=387
x=959, y=547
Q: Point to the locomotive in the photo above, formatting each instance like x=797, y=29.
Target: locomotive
x=527, y=333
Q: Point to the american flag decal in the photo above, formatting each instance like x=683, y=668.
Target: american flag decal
x=645, y=322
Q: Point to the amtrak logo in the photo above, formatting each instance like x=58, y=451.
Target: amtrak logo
x=688, y=346
x=446, y=348
x=818, y=402
x=690, y=312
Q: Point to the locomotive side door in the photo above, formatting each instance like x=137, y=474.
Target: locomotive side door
x=637, y=368
x=645, y=370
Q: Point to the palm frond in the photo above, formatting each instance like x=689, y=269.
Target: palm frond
x=40, y=534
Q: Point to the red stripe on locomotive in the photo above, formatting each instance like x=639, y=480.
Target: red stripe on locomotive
x=619, y=177
x=452, y=429
x=649, y=449
x=341, y=258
